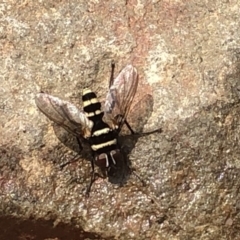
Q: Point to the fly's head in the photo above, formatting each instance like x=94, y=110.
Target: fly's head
x=110, y=163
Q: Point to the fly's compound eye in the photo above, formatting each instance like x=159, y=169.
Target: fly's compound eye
x=102, y=161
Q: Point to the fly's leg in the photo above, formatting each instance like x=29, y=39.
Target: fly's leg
x=129, y=127
x=74, y=159
x=112, y=73
x=119, y=119
x=131, y=130
x=93, y=178
x=133, y=171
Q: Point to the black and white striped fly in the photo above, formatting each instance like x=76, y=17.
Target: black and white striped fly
x=99, y=127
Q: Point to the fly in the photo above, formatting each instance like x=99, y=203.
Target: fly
x=99, y=127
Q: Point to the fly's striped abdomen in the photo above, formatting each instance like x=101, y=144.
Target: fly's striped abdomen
x=103, y=138
x=91, y=105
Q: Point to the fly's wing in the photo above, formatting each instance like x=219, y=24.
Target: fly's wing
x=139, y=114
x=120, y=96
x=64, y=114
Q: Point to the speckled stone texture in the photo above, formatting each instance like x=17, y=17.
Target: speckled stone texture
x=188, y=58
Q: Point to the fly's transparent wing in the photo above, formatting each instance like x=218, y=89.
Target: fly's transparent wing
x=139, y=114
x=120, y=95
x=64, y=114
